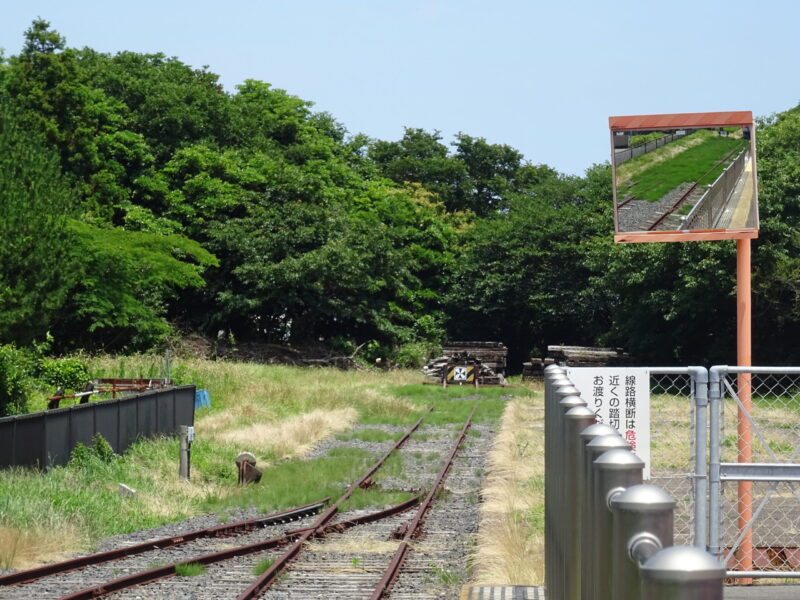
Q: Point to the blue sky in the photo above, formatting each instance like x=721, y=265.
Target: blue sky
x=542, y=77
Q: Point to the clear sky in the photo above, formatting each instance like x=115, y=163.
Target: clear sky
x=542, y=77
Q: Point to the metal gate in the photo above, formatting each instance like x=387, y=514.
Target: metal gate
x=754, y=459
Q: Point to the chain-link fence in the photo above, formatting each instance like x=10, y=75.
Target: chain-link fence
x=672, y=446
x=755, y=500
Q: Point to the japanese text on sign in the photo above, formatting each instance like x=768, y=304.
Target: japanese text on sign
x=621, y=398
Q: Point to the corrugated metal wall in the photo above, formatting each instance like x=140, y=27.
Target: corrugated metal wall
x=46, y=438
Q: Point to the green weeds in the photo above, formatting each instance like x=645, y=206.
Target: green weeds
x=189, y=569
x=261, y=566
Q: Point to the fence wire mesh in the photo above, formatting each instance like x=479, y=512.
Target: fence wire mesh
x=672, y=446
x=773, y=524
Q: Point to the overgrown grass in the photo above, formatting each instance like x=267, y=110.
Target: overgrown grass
x=451, y=405
x=278, y=413
x=511, y=534
x=701, y=163
x=297, y=482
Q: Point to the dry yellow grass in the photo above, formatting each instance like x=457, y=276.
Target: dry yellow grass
x=295, y=436
x=510, y=538
x=21, y=549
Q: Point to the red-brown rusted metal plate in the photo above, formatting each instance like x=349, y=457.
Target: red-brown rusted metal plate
x=679, y=120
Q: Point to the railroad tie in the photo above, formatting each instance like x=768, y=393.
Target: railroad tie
x=505, y=592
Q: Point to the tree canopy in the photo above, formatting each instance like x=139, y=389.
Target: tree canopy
x=138, y=198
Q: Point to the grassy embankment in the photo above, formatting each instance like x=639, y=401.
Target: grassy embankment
x=278, y=413
x=510, y=545
x=693, y=158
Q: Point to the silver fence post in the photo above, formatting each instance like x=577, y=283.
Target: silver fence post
x=642, y=524
x=682, y=573
x=615, y=471
x=552, y=374
x=560, y=514
x=700, y=391
x=575, y=420
x=599, y=445
x=587, y=535
x=716, y=374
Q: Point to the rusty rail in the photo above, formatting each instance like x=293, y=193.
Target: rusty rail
x=165, y=571
x=268, y=576
x=227, y=529
x=414, y=526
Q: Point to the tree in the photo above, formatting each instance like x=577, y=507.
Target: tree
x=127, y=280
x=420, y=157
x=492, y=172
x=38, y=263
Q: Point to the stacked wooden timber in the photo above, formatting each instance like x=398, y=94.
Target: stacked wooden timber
x=575, y=356
x=493, y=355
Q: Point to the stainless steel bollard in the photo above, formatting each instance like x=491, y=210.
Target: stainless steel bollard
x=642, y=520
x=588, y=435
x=575, y=420
x=559, y=514
x=553, y=376
x=614, y=471
x=553, y=413
x=682, y=573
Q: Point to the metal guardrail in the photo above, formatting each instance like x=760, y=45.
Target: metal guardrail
x=45, y=439
x=608, y=535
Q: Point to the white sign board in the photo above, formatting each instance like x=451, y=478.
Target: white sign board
x=619, y=396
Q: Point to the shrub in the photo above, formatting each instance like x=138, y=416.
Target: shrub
x=415, y=354
x=99, y=451
x=15, y=379
x=69, y=373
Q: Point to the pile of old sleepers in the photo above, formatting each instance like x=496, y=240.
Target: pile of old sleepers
x=575, y=356
x=492, y=358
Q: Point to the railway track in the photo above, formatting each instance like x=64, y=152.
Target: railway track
x=316, y=546
x=688, y=192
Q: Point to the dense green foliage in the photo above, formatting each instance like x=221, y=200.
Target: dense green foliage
x=139, y=198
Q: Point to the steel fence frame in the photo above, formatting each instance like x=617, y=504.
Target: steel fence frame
x=772, y=473
x=698, y=457
x=628, y=524
x=762, y=401
x=707, y=211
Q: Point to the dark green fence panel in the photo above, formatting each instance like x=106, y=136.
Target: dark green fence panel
x=128, y=425
x=30, y=445
x=106, y=421
x=59, y=444
x=47, y=438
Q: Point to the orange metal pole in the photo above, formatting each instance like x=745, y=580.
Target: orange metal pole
x=744, y=554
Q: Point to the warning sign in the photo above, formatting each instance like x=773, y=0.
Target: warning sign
x=621, y=398
x=461, y=374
